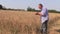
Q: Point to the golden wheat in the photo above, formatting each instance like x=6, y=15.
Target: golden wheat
x=22, y=22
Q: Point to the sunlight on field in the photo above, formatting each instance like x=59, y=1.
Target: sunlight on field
x=20, y=22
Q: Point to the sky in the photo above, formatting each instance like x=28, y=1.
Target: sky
x=23, y=4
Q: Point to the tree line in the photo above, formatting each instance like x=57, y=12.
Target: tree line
x=4, y=8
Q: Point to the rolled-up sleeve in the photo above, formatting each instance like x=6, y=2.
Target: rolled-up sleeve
x=43, y=12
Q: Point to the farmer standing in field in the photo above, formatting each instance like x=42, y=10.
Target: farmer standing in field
x=44, y=18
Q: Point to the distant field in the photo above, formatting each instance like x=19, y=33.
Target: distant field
x=20, y=22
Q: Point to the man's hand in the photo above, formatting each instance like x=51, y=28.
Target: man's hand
x=38, y=13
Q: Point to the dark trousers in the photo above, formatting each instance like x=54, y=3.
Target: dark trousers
x=44, y=27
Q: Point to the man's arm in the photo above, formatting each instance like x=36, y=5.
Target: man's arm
x=42, y=13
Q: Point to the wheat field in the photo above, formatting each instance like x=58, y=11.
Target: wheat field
x=23, y=22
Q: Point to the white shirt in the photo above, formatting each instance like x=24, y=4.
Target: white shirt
x=44, y=16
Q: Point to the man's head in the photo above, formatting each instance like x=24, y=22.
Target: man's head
x=40, y=6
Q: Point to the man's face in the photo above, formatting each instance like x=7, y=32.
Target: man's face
x=39, y=6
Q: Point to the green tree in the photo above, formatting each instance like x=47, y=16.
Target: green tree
x=30, y=9
x=1, y=7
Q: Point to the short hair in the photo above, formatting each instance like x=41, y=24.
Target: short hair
x=40, y=4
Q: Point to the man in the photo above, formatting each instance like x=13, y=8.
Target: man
x=44, y=18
